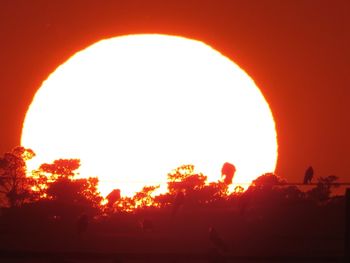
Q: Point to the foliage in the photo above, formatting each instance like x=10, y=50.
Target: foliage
x=144, y=197
x=79, y=191
x=194, y=186
x=63, y=188
x=140, y=199
x=184, y=179
x=41, y=183
x=62, y=168
x=15, y=186
x=323, y=189
x=267, y=181
x=56, y=184
x=292, y=194
x=185, y=186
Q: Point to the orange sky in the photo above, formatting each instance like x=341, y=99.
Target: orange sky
x=296, y=51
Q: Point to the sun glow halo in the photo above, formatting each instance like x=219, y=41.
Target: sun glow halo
x=133, y=108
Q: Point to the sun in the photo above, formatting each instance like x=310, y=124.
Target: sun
x=135, y=107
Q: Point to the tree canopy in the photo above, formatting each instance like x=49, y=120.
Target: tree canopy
x=59, y=183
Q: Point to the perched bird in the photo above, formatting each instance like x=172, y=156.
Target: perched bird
x=113, y=197
x=309, y=174
x=227, y=172
x=216, y=240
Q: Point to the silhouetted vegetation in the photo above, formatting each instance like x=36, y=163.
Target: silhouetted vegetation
x=15, y=185
x=57, y=183
x=54, y=201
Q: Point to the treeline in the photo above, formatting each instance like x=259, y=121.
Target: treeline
x=54, y=189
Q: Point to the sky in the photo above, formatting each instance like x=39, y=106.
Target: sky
x=297, y=52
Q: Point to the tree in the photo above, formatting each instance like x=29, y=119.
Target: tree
x=267, y=181
x=76, y=191
x=194, y=186
x=62, y=168
x=15, y=185
x=141, y=199
x=184, y=179
x=292, y=194
x=323, y=189
x=64, y=188
x=264, y=194
x=144, y=197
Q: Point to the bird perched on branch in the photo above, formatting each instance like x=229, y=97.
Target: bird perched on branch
x=309, y=174
x=113, y=197
x=227, y=172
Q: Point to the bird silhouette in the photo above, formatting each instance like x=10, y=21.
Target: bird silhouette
x=227, y=172
x=309, y=174
x=113, y=197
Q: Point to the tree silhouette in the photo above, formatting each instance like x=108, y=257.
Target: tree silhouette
x=264, y=194
x=64, y=188
x=184, y=179
x=144, y=198
x=15, y=185
x=292, y=194
x=62, y=168
x=194, y=188
x=57, y=182
x=323, y=189
x=267, y=181
x=141, y=199
x=124, y=204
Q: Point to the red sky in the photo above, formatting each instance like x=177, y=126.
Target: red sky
x=297, y=51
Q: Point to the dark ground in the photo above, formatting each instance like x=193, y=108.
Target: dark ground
x=296, y=230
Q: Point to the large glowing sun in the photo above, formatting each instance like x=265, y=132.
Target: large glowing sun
x=133, y=108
